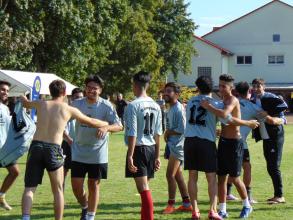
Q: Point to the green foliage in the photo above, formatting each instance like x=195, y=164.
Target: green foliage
x=114, y=38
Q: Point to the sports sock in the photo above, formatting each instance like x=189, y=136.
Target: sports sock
x=147, y=208
x=90, y=216
x=248, y=190
x=223, y=207
x=26, y=217
x=2, y=194
x=171, y=202
x=229, y=188
x=186, y=201
x=246, y=203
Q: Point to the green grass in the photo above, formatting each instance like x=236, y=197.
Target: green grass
x=119, y=199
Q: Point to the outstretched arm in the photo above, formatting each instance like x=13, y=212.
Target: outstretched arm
x=27, y=103
x=239, y=122
x=96, y=123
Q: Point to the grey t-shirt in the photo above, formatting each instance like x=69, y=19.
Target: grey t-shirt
x=4, y=123
x=143, y=120
x=87, y=148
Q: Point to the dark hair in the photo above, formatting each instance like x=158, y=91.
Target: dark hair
x=76, y=90
x=142, y=79
x=174, y=86
x=96, y=79
x=242, y=88
x=258, y=81
x=57, y=87
x=2, y=82
x=226, y=78
x=204, y=84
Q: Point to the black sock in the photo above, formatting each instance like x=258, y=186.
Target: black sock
x=229, y=188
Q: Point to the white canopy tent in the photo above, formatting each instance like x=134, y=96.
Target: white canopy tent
x=22, y=82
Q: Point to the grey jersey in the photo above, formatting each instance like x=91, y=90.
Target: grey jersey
x=87, y=148
x=249, y=111
x=143, y=120
x=176, y=121
x=200, y=122
x=4, y=123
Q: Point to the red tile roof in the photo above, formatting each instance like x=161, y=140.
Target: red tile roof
x=219, y=28
x=223, y=50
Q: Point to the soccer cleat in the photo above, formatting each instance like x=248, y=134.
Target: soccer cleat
x=183, y=208
x=276, y=200
x=223, y=214
x=195, y=215
x=169, y=209
x=245, y=212
x=83, y=214
x=214, y=216
x=4, y=204
x=252, y=201
x=231, y=197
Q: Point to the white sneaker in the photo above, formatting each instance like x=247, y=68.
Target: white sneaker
x=4, y=204
x=231, y=197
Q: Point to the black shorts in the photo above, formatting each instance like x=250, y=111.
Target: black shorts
x=230, y=157
x=94, y=171
x=42, y=156
x=144, y=160
x=9, y=165
x=200, y=154
x=67, y=153
x=246, y=156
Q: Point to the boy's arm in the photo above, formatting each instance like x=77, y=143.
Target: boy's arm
x=131, y=146
x=157, y=153
x=222, y=113
x=96, y=123
x=27, y=103
x=239, y=122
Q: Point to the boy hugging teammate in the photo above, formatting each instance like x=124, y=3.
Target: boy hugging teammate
x=143, y=127
x=230, y=148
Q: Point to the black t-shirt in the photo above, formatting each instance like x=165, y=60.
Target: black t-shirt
x=120, y=105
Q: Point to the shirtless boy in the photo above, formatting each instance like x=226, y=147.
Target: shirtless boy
x=230, y=148
x=45, y=150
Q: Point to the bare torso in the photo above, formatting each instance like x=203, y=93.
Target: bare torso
x=52, y=119
x=232, y=131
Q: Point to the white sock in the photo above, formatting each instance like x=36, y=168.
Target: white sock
x=84, y=207
x=2, y=194
x=90, y=216
x=223, y=207
x=246, y=203
x=26, y=217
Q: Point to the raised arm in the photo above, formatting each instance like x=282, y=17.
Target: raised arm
x=92, y=122
x=27, y=103
x=222, y=113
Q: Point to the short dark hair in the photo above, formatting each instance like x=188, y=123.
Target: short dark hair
x=204, y=84
x=226, y=78
x=174, y=86
x=258, y=81
x=242, y=88
x=76, y=90
x=96, y=79
x=57, y=88
x=142, y=79
x=2, y=82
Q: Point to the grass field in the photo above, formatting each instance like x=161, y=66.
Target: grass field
x=119, y=199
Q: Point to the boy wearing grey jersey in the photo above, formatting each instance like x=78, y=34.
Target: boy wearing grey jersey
x=143, y=128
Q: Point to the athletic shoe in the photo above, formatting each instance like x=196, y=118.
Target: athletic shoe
x=276, y=200
x=245, y=212
x=223, y=214
x=195, y=215
x=169, y=209
x=231, y=197
x=214, y=216
x=83, y=214
x=4, y=204
x=183, y=208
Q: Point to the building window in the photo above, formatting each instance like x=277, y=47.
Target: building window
x=276, y=59
x=244, y=59
x=276, y=38
x=204, y=71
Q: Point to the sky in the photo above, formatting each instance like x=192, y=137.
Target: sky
x=214, y=13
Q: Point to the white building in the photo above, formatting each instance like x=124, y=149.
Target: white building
x=258, y=44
